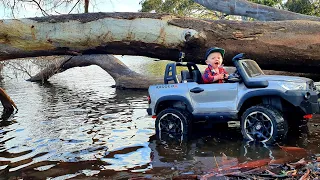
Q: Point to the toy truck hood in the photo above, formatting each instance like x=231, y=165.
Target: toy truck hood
x=280, y=78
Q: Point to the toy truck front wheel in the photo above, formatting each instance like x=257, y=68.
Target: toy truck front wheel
x=263, y=123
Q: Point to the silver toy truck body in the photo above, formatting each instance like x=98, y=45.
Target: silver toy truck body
x=265, y=105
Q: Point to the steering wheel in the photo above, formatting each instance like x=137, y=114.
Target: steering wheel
x=234, y=77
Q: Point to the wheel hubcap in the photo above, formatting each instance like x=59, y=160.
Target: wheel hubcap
x=170, y=123
x=258, y=126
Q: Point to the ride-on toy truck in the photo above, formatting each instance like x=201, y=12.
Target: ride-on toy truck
x=266, y=105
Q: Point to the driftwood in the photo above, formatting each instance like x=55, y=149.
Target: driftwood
x=279, y=45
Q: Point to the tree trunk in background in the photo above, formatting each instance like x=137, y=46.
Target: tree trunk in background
x=286, y=45
x=123, y=76
x=86, y=6
x=256, y=11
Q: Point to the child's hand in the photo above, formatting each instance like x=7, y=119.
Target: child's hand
x=220, y=76
x=226, y=76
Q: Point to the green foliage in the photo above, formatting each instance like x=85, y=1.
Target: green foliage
x=309, y=7
x=177, y=7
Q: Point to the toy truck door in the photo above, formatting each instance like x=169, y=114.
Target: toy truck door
x=213, y=98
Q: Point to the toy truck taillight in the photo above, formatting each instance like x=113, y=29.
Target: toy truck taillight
x=149, y=99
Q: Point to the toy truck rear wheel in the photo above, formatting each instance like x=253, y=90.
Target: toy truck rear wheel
x=175, y=122
x=263, y=123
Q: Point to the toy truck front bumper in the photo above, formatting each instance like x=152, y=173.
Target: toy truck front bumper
x=307, y=101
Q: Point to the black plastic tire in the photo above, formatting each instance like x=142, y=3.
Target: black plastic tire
x=174, y=122
x=263, y=123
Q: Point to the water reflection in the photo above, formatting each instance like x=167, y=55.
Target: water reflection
x=205, y=152
x=68, y=122
x=109, y=133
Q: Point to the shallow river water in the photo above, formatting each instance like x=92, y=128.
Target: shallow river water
x=78, y=127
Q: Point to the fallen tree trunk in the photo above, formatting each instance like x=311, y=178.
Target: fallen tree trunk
x=123, y=76
x=250, y=9
x=286, y=45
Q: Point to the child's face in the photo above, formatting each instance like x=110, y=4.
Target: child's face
x=215, y=59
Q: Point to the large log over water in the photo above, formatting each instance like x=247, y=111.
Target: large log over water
x=278, y=45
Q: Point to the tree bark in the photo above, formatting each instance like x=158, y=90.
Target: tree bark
x=285, y=45
x=52, y=69
x=256, y=11
x=123, y=76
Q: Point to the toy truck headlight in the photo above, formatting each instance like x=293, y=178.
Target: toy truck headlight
x=293, y=85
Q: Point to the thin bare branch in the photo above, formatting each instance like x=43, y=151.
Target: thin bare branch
x=57, y=12
x=74, y=6
x=39, y=6
x=12, y=8
x=19, y=67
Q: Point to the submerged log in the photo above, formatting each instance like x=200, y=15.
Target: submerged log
x=285, y=45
